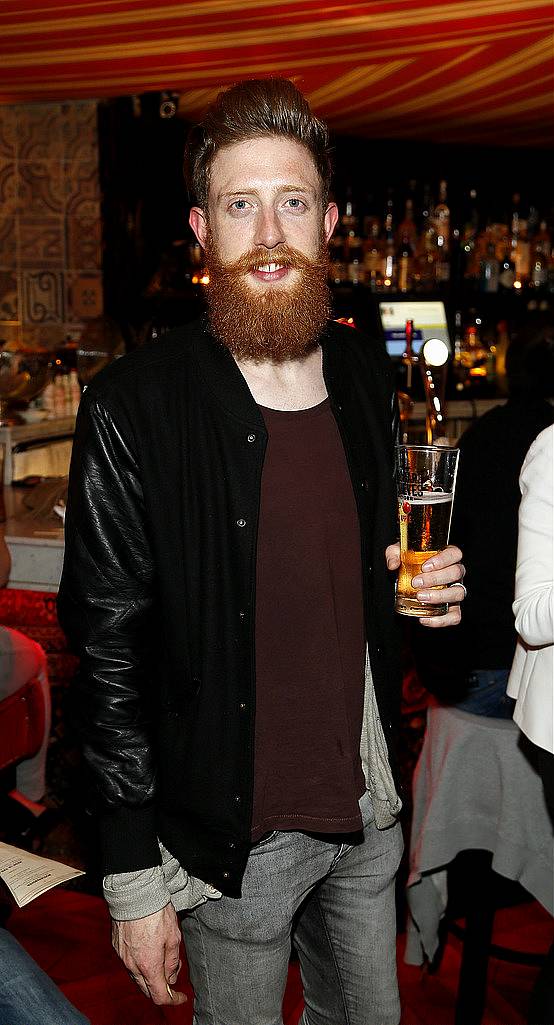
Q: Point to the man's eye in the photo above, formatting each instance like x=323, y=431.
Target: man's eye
x=239, y=205
x=294, y=203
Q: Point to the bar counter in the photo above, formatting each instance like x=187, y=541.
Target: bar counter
x=36, y=546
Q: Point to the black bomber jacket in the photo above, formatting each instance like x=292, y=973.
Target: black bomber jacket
x=158, y=588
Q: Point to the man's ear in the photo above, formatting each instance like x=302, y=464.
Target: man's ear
x=199, y=224
x=330, y=221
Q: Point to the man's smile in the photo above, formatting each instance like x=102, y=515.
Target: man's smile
x=270, y=272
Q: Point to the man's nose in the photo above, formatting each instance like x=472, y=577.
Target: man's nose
x=269, y=230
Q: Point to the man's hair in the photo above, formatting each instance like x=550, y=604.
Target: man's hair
x=254, y=109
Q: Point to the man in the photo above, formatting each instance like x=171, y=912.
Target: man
x=229, y=558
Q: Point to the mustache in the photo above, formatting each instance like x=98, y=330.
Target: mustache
x=284, y=255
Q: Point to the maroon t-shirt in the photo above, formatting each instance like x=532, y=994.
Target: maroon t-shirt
x=310, y=638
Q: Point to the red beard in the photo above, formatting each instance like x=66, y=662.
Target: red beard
x=276, y=323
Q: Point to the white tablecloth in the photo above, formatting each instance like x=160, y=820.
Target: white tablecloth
x=475, y=788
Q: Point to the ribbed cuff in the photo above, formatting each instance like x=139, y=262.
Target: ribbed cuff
x=128, y=840
x=132, y=895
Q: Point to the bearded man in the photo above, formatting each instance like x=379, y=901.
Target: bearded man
x=229, y=586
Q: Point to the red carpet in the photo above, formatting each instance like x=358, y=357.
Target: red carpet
x=68, y=934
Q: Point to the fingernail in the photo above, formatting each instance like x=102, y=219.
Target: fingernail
x=169, y=991
x=428, y=565
x=423, y=596
x=417, y=581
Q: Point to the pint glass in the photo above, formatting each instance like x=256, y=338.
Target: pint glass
x=426, y=478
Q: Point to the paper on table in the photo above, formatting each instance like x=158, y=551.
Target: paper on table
x=28, y=875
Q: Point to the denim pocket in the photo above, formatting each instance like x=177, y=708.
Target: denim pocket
x=265, y=840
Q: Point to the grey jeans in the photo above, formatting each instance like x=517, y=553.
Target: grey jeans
x=333, y=901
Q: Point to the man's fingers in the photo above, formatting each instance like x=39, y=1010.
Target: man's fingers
x=172, y=963
x=149, y=949
x=392, y=556
x=452, y=618
x=449, y=556
x=159, y=990
x=173, y=976
x=441, y=578
x=452, y=595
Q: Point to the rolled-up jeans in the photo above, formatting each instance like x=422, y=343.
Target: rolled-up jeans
x=334, y=901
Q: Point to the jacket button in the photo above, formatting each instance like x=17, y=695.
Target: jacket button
x=241, y=522
x=242, y=706
x=251, y=438
x=226, y=875
x=232, y=845
x=237, y=798
x=242, y=615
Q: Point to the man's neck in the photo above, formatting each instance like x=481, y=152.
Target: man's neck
x=296, y=384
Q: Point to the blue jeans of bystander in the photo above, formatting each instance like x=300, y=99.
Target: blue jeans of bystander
x=486, y=694
x=27, y=995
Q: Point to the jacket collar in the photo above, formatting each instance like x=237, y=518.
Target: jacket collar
x=224, y=379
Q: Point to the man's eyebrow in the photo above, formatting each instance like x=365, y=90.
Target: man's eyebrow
x=281, y=188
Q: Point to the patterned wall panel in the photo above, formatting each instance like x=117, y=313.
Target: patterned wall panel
x=50, y=230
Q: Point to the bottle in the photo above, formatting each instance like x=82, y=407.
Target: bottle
x=489, y=270
x=390, y=266
x=353, y=258
x=469, y=241
x=407, y=227
x=459, y=371
x=507, y=273
x=373, y=256
x=404, y=264
x=539, y=256
x=442, y=218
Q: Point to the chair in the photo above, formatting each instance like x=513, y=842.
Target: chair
x=21, y=724
x=475, y=789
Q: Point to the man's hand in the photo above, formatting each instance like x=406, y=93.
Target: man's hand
x=443, y=571
x=149, y=949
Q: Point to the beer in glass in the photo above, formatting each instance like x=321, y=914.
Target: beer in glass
x=426, y=478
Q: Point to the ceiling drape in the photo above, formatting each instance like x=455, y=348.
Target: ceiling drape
x=443, y=70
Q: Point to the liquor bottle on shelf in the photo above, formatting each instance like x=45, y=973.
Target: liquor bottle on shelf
x=355, y=271
x=469, y=240
x=374, y=256
x=426, y=253
x=427, y=207
x=407, y=228
x=353, y=257
x=539, y=256
x=489, y=270
x=390, y=263
x=459, y=372
x=507, y=274
x=405, y=264
x=441, y=219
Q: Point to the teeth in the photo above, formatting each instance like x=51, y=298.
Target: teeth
x=270, y=268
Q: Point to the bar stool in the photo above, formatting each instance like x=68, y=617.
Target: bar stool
x=475, y=789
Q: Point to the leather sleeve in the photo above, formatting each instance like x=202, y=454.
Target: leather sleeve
x=105, y=607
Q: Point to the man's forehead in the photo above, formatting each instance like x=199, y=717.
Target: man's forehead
x=274, y=162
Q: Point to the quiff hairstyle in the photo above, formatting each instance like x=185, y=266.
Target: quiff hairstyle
x=254, y=109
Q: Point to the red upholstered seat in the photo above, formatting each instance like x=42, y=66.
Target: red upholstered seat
x=21, y=724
